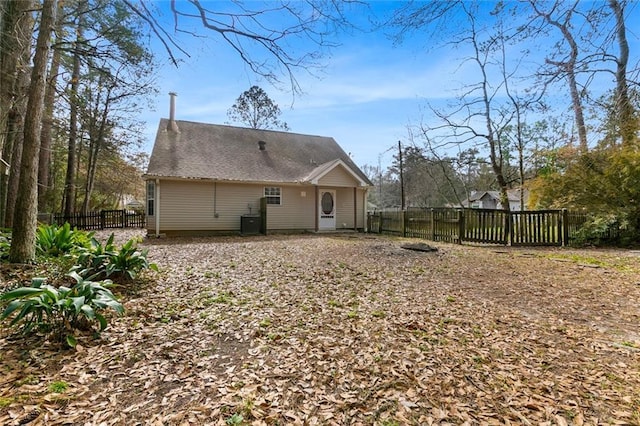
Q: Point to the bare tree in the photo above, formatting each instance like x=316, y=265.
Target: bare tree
x=626, y=116
x=262, y=34
x=561, y=19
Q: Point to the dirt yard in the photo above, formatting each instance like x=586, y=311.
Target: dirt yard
x=348, y=330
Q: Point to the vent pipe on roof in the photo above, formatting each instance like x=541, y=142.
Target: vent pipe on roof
x=172, y=126
x=262, y=145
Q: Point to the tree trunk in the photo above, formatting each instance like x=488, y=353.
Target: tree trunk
x=97, y=140
x=17, y=28
x=627, y=122
x=24, y=231
x=568, y=67
x=70, y=180
x=44, y=165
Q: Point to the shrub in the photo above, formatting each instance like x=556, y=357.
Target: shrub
x=603, y=229
x=60, y=310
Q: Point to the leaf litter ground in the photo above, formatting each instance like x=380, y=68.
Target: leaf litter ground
x=348, y=330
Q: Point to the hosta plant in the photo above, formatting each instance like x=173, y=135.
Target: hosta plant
x=91, y=261
x=53, y=240
x=60, y=310
x=128, y=262
x=107, y=261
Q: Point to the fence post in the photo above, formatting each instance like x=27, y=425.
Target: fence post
x=564, y=227
x=460, y=226
x=433, y=225
x=404, y=223
x=508, y=228
x=102, y=219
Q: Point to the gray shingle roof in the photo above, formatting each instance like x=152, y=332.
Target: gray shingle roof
x=211, y=151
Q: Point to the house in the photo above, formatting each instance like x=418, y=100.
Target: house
x=491, y=200
x=206, y=179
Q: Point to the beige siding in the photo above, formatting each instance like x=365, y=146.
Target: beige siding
x=360, y=203
x=206, y=205
x=344, y=208
x=297, y=210
x=338, y=177
x=185, y=205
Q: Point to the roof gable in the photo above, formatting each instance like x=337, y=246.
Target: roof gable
x=227, y=153
x=324, y=169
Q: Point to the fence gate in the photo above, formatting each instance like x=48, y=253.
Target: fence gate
x=536, y=228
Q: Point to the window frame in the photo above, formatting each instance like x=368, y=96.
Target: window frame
x=151, y=198
x=271, y=196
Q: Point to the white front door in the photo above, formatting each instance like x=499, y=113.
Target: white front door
x=327, y=210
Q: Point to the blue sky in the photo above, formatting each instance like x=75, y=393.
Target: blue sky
x=366, y=95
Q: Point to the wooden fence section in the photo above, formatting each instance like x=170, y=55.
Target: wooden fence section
x=519, y=228
x=102, y=219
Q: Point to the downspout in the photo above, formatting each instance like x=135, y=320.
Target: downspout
x=157, y=208
x=355, y=208
x=365, y=197
x=316, y=207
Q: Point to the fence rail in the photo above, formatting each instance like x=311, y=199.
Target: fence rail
x=102, y=219
x=519, y=228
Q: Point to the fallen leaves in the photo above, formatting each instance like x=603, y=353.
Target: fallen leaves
x=347, y=330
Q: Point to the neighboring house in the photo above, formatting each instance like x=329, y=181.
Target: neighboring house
x=203, y=178
x=491, y=200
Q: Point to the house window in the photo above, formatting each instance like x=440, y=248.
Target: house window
x=273, y=195
x=151, y=198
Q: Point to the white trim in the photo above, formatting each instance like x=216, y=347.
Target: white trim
x=322, y=170
x=264, y=194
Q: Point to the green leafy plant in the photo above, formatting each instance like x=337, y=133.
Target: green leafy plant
x=92, y=260
x=128, y=261
x=60, y=310
x=58, y=386
x=100, y=261
x=5, y=244
x=236, y=419
x=54, y=241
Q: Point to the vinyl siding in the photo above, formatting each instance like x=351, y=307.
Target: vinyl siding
x=360, y=203
x=344, y=208
x=296, y=212
x=338, y=177
x=193, y=206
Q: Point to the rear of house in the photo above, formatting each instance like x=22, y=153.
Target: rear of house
x=205, y=178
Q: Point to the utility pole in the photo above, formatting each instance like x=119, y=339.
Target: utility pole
x=401, y=177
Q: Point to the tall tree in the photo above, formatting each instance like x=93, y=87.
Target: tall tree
x=255, y=109
x=626, y=116
x=17, y=27
x=24, y=231
x=567, y=66
x=44, y=170
x=74, y=104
